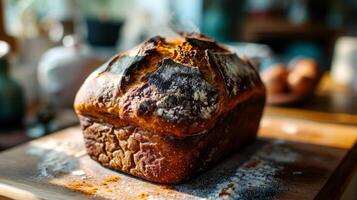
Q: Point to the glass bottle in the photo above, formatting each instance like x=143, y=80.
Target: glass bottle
x=12, y=104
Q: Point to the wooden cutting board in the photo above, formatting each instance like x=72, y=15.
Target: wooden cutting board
x=292, y=159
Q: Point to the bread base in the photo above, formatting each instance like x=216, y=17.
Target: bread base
x=165, y=159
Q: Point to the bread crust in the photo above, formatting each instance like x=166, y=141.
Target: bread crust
x=167, y=159
x=169, y=108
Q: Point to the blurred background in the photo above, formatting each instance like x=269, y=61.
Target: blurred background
x=305, y=50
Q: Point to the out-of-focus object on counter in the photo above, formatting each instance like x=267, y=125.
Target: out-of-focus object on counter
x=47, y=120
x=63, y=69
x=103, y=33
x=303, y=76
x=275, y=79
x=3, y=35
x=344, y=64
x=293, y=83
x=101, y=22
x=12, y=103
x=330, y=103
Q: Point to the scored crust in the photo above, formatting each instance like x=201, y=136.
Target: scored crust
x=169, y=108
x=172, y=87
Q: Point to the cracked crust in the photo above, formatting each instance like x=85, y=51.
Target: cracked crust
x=166, y=159
x=169, y=108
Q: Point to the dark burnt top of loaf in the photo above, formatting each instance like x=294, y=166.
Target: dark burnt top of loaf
x=176, y=86
x=176, y=93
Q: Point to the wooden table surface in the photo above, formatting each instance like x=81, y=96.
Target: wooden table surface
x=332, y=103
x=309, y=151
x=292, y=159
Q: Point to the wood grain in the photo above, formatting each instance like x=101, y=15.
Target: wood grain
x=319, y=116
x=325, y=134
x=309, y=164
x=341, y=177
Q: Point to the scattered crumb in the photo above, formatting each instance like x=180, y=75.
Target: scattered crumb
x=143, y=196
x=91, y=187
x=251, y=165
x=82, y=186
x=228, y=190
x=109, y=180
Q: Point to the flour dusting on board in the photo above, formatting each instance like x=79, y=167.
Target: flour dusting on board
x=278, y=153
x=254, y=180
x=55, y=158
x=258, y=177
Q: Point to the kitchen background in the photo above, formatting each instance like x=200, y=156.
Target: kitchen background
x=50, y=46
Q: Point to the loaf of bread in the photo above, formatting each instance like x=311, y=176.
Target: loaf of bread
x=170, y=108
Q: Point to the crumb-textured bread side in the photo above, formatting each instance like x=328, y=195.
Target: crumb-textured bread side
x=169, y=108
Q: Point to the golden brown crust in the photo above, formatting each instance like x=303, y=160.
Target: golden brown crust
x=169, y=108
x=141, y=87
x=166, y=159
